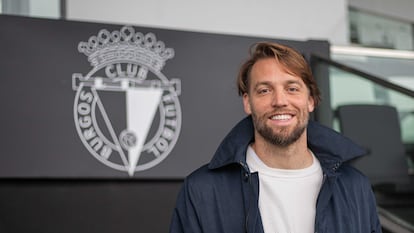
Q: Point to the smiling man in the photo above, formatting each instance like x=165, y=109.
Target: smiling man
x=276, y=171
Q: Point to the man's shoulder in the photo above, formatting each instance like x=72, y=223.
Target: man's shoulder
x=205, y=176
x=353, y=176
x=200, y=173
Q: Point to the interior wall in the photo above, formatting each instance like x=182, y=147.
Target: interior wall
x=296, y=19
x=104, y=206
x=42, y=186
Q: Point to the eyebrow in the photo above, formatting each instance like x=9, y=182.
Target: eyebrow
x=268, y=83
x=296, y=82
x=263, y=83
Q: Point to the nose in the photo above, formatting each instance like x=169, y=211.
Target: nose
x=279, y=99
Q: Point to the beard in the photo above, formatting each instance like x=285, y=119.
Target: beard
x=282, y=137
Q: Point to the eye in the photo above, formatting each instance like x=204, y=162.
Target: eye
x=293, y=88
x=263, y=91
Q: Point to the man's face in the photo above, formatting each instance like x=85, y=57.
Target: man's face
x=278, y=102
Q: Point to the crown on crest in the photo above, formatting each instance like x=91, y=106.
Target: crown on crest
x=126, y=45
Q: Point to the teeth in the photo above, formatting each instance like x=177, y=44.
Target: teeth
x=281, y=117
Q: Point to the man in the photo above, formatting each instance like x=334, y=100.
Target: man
x=276, y=171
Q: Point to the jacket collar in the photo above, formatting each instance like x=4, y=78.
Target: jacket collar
x=330, y=147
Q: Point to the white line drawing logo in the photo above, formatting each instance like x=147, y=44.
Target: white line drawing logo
x=126, y=76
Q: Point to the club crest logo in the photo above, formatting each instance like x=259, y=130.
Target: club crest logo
x=127, y=113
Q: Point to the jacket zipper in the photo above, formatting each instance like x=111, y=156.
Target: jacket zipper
x=324, y=177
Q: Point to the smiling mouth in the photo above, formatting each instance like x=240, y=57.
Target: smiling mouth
x=281, y=117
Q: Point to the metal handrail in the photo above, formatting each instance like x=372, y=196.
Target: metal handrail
x=380, y=81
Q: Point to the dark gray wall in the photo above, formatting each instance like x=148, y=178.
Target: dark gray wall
x=39, y=137
x=49, y=182
x=105, y=206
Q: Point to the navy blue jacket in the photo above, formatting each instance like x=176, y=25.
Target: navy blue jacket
x=223, y=195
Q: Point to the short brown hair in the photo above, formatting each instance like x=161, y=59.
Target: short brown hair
x=289, y=58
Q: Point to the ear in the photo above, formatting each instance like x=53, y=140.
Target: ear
x=246, y=104
x=311, y=104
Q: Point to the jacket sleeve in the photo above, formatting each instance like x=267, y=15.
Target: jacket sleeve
x=185, y=218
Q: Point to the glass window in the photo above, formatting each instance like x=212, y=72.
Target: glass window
x=377, y=31
x=32, y=8
x=393, y=66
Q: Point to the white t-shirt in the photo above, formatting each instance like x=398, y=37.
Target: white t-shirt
x=287, y=197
